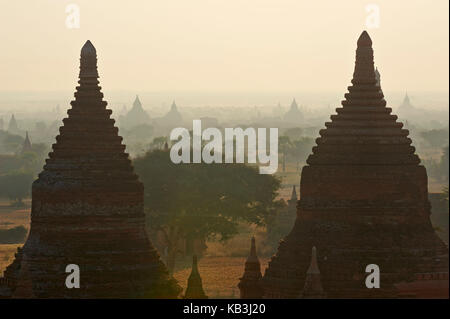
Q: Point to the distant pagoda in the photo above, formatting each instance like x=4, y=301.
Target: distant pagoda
x=313, y=285
x=135, y=116
x=194, y=288
x=294, y=114
x=406, y=106
x=12, y=125
x=26, y=146
x=294, y=198
x=173, y=117
x=363, y=200
x=250, y=283
x=87, y=209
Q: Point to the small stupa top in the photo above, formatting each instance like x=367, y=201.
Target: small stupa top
x=12, y=126
x=252, y=257
x=294, y=193
x=26, y=144
x=294, y=104
x=88, y=62
x=313, y=268
x=88, y=49
x=406, y=104
x=137, y=103
x=136, y=115
x=364, y=132
x=364, y=40
x=173, y=117
x=194, y=289
x=294, y=114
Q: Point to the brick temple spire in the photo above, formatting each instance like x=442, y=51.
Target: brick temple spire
x=87, y=209
x=363, y=200
x=194, y=288
x=313, y=285
x=250, y=283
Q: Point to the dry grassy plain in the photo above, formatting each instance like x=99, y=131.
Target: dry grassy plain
x=220, y=275
x=12, y=217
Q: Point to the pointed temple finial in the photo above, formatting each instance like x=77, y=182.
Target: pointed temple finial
x=364, y=40
x=137, y=102
x=253, y=247
x=194, y=288
x=294, y=194
x=88, y=49
x=313, y=267
x=12, y=126
x=364, y=73
x=88, y=64
x=194, y=264
x=250, y=283
x=313, y=285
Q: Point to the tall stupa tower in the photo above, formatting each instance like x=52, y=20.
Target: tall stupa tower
x=87, y=210
x=363, y=200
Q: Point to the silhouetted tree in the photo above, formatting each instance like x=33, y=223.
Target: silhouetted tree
x=16, y=185
x=203, y=201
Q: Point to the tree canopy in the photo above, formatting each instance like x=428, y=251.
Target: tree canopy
x=205, y=200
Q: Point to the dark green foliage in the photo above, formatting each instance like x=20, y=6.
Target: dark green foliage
x=16, y=185
x=436, y=137
x=205, y=199
x=202, y=201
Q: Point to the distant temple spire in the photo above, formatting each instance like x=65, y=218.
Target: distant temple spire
x=294, y=114
x=137, y=102
x=173, y=117
x=12, y=126
x=406, y=105
x=294, y=104
x=26, y=147
x=194, y=288
x=250, y=283
x=313, y=285
x=378, y=77
x=135, y=116
x=294, y=193
x=293, y=200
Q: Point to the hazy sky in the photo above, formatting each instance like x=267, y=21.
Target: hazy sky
x=223, y=45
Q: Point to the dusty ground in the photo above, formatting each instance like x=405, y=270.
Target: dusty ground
x=7, y=255
x=220, y=275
